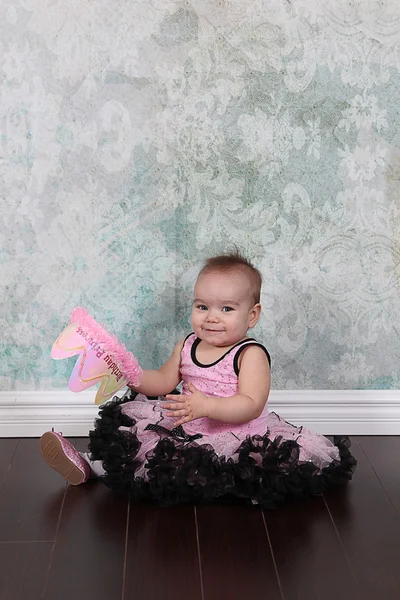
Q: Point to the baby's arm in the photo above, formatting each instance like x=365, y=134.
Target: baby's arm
x=254, y=387
x=163, y=380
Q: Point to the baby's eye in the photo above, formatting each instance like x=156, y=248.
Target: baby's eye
x=202, y=307
x=226, y=308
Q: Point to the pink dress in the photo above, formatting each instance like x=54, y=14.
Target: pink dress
x=143, y=453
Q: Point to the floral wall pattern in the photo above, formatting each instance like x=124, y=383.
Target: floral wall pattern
x=137, y=138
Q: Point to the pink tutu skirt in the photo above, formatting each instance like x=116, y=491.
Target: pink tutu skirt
x=146, y=456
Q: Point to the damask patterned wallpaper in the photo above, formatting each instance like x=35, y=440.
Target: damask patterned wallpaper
x=138, y=137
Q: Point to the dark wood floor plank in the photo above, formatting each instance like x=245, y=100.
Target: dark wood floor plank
x=31, y=496
x=7, y=449
x=89, y=552
x=235, y=554
x=309, y=557
x=162, y=555
x=369, y=528
x=313, y=543
x=23, y=568
x=383, y=452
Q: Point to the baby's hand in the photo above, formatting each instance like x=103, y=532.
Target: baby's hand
x=187, y=408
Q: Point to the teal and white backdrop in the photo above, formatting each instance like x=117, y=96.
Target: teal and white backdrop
x=138, y=138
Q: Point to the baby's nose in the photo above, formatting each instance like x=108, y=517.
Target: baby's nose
x=212, y=316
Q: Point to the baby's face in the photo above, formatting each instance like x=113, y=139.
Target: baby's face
x=222, y=308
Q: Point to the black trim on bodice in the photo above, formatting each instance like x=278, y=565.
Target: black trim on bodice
x=199, y=364
x=243, y=343
x=239, y=352
x=186, y=338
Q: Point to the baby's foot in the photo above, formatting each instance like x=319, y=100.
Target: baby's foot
x=61, y=456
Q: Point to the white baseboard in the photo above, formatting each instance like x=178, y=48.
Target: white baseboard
x=331, y=412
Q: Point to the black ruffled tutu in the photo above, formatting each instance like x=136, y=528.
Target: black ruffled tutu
x=180, y=469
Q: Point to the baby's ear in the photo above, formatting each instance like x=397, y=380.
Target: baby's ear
x=254, y=315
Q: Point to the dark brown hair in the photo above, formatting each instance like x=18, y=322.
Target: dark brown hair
x=234, y=261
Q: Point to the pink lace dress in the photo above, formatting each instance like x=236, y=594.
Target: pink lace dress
x=265, y=460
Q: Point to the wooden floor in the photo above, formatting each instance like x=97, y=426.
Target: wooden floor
x=60, y=542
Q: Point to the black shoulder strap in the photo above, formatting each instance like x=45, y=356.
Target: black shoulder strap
x=243, y=347
x=186, y=338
